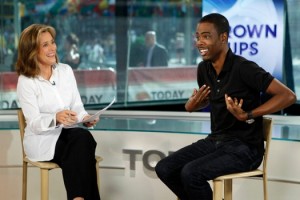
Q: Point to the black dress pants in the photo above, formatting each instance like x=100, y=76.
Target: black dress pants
x=75, y=154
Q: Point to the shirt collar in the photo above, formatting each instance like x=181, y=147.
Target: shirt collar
x=54, y=71
x=228, y=61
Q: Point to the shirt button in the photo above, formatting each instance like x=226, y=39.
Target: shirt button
x=218, y=90
x=218, y=80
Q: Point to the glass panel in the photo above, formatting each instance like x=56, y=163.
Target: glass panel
x=294, y=27
x=87, y=36
x=111, y=44
x=284, y=127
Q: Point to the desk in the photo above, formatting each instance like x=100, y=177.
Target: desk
x=131, y=143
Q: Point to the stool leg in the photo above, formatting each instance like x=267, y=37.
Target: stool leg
x=44, y=184
x=24, y=185
x=217, y=190
x=265, y=180
x=228, y=189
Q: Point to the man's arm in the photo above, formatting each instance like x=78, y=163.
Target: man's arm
x=282, y=97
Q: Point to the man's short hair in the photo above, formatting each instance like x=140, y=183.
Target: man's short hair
x=220, y=22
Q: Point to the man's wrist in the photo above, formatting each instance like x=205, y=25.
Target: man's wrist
x=249, y=115
x=250, y=118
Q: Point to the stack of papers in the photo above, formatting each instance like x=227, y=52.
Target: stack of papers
x=93, y=117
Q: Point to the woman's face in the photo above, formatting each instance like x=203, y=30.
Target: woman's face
x=47, y=50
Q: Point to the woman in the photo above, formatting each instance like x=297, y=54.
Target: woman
x=48, y=95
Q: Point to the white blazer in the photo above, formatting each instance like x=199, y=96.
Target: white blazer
x=40, y=100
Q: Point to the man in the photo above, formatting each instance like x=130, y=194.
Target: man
x=232, y=86
x=156, y=54
x=72, y=55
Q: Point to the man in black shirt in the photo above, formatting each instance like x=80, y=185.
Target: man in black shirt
x=232, y=86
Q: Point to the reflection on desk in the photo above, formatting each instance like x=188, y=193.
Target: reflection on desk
x=284, y=127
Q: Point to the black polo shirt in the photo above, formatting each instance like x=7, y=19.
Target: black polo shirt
x=242, y=79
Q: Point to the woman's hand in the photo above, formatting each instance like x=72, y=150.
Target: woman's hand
x=66, y=117
x=91, y=123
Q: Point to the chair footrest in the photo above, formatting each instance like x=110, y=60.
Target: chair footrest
x=256, y=172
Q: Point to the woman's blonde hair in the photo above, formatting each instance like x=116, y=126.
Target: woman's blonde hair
x=28, y=48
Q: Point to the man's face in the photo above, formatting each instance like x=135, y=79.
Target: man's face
x=208, y=42
x=149, y=40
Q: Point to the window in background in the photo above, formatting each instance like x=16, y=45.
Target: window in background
x=294, y=31
x=162, y=57
x=109, y=37
x=113, y=47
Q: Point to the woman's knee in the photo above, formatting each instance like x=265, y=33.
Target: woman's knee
x=85, y=136
x=83, y=139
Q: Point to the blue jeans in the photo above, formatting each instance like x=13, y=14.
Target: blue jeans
x=187, y=171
